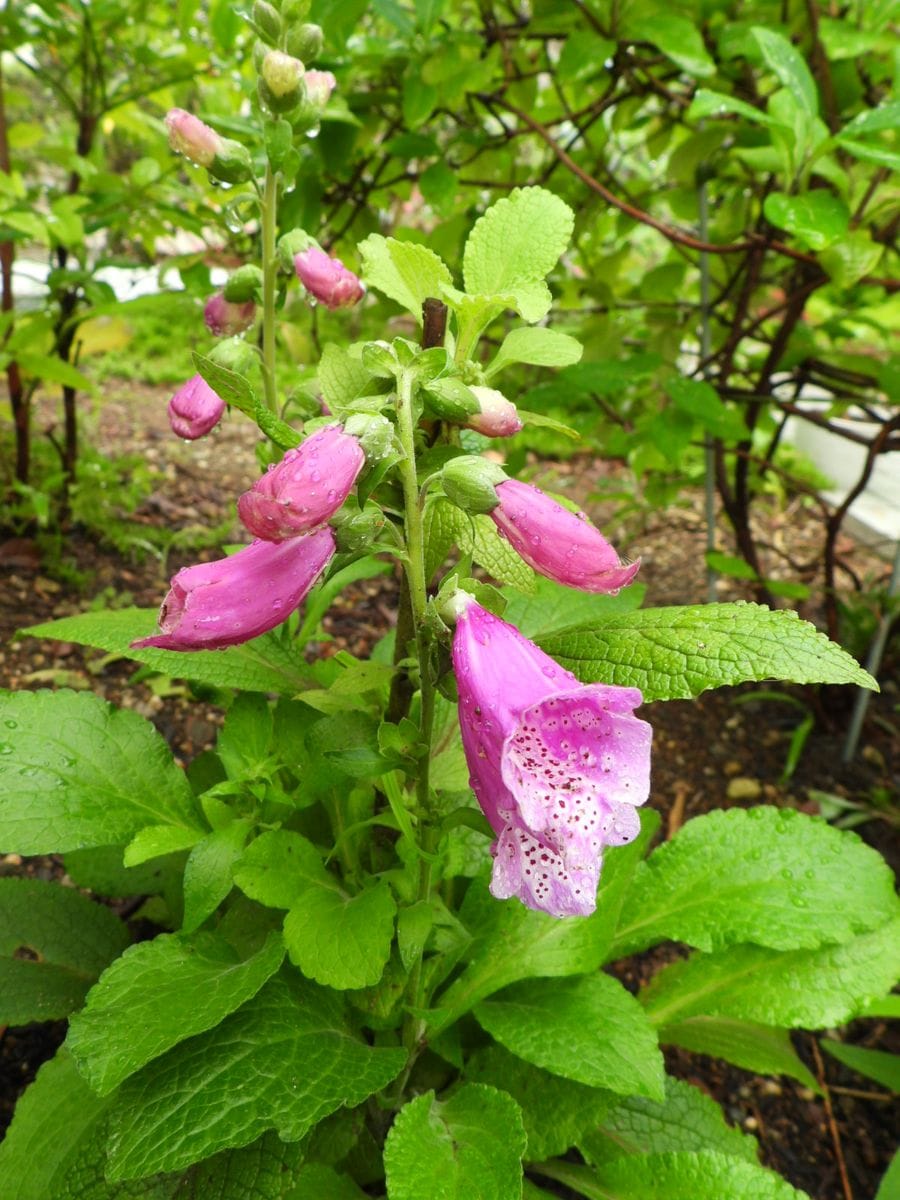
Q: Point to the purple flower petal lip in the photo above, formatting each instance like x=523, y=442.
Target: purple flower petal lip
x=305, y=489
x=225, y=318
x=195, y=409
x=327, y=279
x=556, y=542
x=229, y=601
x=558, y=767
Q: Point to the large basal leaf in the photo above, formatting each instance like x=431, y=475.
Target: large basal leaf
x=517, y=241
x=56, y=1150
x=512, y=942
x=555, y=1111
x=763, y=1049
x=158, y=994
x=54, y=942
x=684, y=1175
x=76, y=772
x=676, y=653
x=284, y=1061
x=765, y=875
x=687, y=1119
x=265, y=664
x=406, y=271
x=811, y=989
x=589, y=1029
x=468, y=1147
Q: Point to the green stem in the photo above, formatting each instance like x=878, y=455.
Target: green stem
x=270, y=272
x=414, y=1025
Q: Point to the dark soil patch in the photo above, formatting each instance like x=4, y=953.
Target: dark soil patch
x=715, y=752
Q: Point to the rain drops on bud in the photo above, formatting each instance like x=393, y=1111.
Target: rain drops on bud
x=195, y=409
x=225, y=319
x=327, y=279
x=497, y=416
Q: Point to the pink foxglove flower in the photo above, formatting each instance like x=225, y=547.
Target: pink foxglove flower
x=558, y=767
x=327, y=279
x=558, y=543
x=224, y=318
x=305, y=489
x=497, y=416
x=189, y=136
x=195, y=409
x=229, y=601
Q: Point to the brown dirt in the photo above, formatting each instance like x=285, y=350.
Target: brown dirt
x=710, y=753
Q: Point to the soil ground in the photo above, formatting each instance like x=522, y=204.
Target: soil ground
x=719, y=751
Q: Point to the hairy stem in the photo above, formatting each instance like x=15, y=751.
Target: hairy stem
x=270, y=270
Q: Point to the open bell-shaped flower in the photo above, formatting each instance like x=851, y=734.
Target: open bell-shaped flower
x=223, y=603
x=195, y=409
x=557, y=766
x=305, y=489
x=327, y=279
x=560, y=544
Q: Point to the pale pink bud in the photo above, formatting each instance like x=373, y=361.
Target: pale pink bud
x=229, y=601
x=224, y=318
x=558, y=543
x=498, y=416
x=305, y=489
x=282, y=73
x=558, y=767
x=319, y=86
x=195, y=409
x=327, y=279
x=189, y=136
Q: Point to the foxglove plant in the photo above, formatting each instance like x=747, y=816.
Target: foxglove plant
x=360, y=963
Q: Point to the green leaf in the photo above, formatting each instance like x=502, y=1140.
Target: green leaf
x=588, y=1028
x=343, y=379
x=79, y=772
x=852, y=257
x=879, y=1065
x=153, y=841
x=816, y=218
x=285, y=1060
x=873, y=120
x=54, y=942
x=339, y=940
x=551, y=606
x=788, y=64
x=539, y=346
x=265, y=664
x=243, y=744
x=277, y=866
x=769, y=876
x=812, y=989
x=441, y=530
x=159, y=993
x=555, y=1111
x=406, y=271
x=227, y=384
x=56, y=1150
x=517, y=241
x=209, y=872
x=678, y=38
x=542, y=421
x=54, y=370
x=700, y=400
x=677, y=653
x=316, y=1181
x=687, y=1119
x=469, y=1147
x=717, y=104
x=762, y=1049
x=685, y=1175
x=512, y=942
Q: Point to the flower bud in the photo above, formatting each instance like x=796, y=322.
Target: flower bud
x=224, y=319
x=243, y=284
x=305, y=41
x=327, y=279
x=305, y=489
x=496, y=416
x=470, y=483
x=355, y=531
x=232, y=163
x=267, y=22
x=282, y=75
x=189, y=136
x=234, y=354
x=450, y=400
x=318, y=86
x=290, y=245
x=195, y=409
